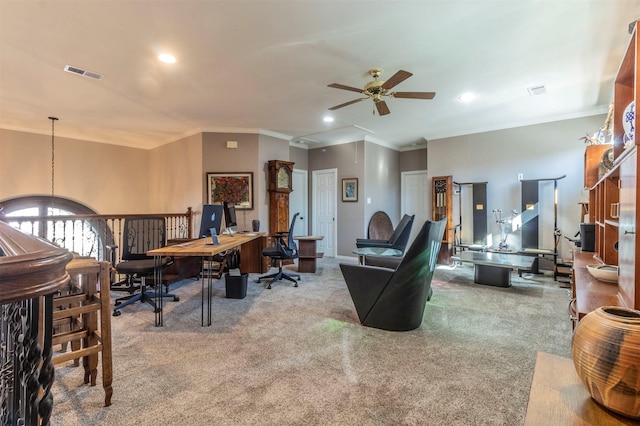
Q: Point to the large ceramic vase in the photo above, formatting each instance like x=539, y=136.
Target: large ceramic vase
x=606, y=353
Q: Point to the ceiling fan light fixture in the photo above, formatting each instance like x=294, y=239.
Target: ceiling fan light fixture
x=327, y=119
x=377, y=90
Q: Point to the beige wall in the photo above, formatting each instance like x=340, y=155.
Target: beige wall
x=107, y=178
x=300, y=157
x=349, y=160
x=413, y=160
x=382, y=183
x=176, y=170
x=538, y=152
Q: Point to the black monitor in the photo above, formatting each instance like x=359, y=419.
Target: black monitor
x=230, y=217
x=211, y=218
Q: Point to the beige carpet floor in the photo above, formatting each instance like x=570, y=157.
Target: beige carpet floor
x=298, y=356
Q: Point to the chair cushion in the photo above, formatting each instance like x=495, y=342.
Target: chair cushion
x=139, y=267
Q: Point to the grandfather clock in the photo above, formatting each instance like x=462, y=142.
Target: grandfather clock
x=279, y=189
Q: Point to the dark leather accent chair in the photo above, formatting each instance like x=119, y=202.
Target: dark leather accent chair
x=398, y=240
x=140, y=235
x=395, y=299
x=380, y=226
x=284, y=248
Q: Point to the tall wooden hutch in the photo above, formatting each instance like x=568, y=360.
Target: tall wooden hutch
x=441, y=207
x=613, y=202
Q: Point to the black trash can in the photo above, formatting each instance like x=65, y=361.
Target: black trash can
x=236, y=286
x=588, y=236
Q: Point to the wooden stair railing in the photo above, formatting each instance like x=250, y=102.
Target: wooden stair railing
x=31, y=272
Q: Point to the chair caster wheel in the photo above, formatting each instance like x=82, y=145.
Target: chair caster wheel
x=268, y=287
x=176, y=299
x=256, y=281
x=295, y=285
x=118, y=303
x=117, y=313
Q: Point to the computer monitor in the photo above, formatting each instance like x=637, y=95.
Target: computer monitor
x=211, y=218
x=230, y=221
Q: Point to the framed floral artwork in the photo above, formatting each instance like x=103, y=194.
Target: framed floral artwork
x=235, y=188
x=350, y=189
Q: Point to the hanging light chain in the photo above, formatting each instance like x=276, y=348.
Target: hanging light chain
x=53, y=159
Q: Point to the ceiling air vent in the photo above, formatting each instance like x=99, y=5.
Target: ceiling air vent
x=537, y=90
x=80, y=71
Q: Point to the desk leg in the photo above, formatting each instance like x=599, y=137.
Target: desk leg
x=208, y=291
x=157, y=276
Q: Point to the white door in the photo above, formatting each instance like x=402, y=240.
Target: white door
x=414, y=199
x=325, y=195
x=299, y=201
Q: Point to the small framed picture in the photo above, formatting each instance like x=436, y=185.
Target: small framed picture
x=350, y=189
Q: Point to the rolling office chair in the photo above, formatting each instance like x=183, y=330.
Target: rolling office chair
x=141, y=235
x=283, y=249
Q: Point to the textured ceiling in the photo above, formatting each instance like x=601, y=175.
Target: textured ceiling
x=248, y=66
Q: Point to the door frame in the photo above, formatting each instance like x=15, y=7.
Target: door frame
x=403, y=202
x=314, y=201
x=305, y=198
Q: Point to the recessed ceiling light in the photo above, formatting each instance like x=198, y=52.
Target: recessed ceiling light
x=167, y=58
x=467, y=97
x=328, y=119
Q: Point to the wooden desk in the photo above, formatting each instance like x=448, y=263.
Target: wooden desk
x=249, y=244
x=558, y=397
x=307, y=252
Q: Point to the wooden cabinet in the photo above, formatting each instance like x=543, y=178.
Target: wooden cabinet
x=593, y=167
x=613, y=203
x=279, y=190
x=441, y=207
x=606, y=197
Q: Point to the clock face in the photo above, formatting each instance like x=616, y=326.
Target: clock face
x=283, y=178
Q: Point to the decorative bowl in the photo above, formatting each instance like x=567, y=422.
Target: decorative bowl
x=606, y=273
x=628, y=120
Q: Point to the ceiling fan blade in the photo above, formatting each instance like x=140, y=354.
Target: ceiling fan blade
x=383, y=109
x=413, y=95
x=396, y=79
x=343, y=87
x=346, y=104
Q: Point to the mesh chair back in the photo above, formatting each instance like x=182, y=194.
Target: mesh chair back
x=292, y=247
x=142, y=234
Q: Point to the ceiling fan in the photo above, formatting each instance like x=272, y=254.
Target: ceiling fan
x=376, y=90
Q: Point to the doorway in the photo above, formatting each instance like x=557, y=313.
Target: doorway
x=324, y=199
x=415, y=190
x=299, y=201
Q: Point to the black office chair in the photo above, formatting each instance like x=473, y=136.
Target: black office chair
x=398, y=240
x=141, y=234
x=283, y=249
